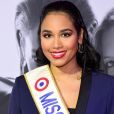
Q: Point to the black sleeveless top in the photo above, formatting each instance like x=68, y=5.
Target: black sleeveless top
x=72, y=110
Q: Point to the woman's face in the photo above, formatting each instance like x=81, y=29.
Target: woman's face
x=108, y=50
x=59, y=39
x=28, y=40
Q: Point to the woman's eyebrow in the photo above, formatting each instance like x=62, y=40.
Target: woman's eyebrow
x=67, y=29
x=63, y=30
x=46, y=31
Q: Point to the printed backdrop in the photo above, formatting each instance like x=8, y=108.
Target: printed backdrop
x=19, y=21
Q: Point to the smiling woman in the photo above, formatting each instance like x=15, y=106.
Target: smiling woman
x=67, y=80
x=59, y=39
x=77, y=26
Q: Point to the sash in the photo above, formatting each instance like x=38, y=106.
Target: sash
x=44, y=91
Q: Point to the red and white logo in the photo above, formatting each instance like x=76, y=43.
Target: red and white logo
x=41, y=84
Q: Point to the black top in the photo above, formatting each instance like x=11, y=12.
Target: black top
x=72, y=110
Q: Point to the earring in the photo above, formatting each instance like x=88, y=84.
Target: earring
x=80, y=48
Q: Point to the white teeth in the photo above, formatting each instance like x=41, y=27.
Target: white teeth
x=58, y=54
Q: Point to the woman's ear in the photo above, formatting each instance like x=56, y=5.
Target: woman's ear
x=81, y=36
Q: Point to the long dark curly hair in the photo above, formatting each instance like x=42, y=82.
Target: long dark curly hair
x=88, y=57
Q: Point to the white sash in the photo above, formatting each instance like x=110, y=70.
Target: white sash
x=45, y=94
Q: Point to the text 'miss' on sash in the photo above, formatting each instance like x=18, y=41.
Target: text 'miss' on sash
x=44, y=91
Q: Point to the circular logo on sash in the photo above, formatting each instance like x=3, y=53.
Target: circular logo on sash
x=41, y=84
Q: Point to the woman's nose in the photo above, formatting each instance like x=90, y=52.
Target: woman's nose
x=57, y=43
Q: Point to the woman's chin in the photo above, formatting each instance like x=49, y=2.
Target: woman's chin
x=58, y=64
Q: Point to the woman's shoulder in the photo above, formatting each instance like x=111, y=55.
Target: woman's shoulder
x=20, y=81
x=19, y=78
x=102, y=89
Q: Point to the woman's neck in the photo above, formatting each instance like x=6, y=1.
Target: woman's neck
x=66, y=72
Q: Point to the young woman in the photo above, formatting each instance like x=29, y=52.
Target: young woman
x=73, y=62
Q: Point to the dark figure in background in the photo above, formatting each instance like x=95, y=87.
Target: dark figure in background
x=105, y=43
x=26, y=25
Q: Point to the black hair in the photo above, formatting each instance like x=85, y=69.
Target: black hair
x=89, y=58
x=83, y=6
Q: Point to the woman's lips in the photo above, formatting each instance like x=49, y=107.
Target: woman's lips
x=58, y=55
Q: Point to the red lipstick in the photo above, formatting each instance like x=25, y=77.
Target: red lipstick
x=58, y=55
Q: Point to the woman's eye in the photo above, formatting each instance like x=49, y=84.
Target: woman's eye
x=47, y=35
x=110, y=64
x=66, y=34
